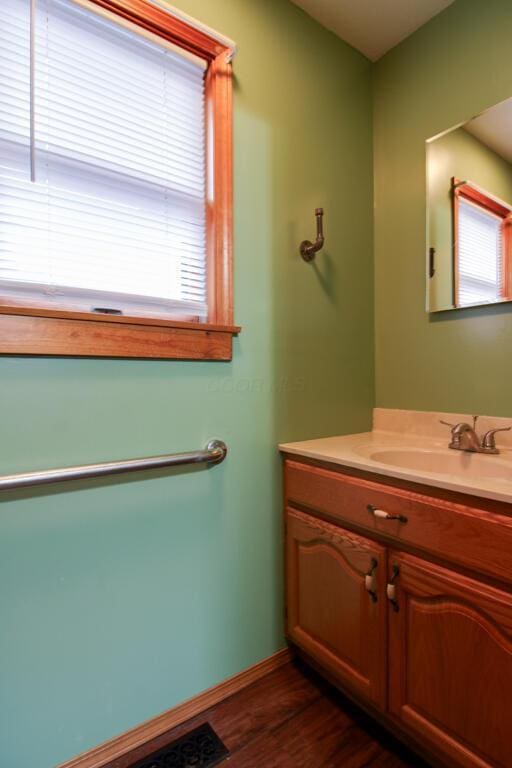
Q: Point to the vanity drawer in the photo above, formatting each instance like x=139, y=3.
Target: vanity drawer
x=474, y=538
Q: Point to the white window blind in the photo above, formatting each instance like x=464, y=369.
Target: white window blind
x=102, y=164
x=480, y=254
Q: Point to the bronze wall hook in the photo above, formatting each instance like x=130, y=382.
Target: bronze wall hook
x=308, y=250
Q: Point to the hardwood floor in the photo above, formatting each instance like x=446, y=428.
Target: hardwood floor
x=292, y=719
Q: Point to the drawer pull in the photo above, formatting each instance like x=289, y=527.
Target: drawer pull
x=370, y=581
x=391, y=589
x=385, y=515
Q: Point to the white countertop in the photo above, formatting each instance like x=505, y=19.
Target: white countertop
x=467, y=471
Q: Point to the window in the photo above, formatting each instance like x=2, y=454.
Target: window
x=481, y=245
x=115, y=188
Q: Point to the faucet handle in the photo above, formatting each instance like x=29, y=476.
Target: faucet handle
x=488, y=440
x=452, y=426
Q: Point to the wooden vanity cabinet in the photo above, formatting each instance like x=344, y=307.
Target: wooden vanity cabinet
x=334, y=613
x=450, y=662
x=431, y=651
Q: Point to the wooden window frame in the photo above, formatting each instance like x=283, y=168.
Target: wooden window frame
x=475, y=195
x=30, y=330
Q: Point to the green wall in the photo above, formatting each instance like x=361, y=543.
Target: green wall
x=119, y=599
x=461, y=155
x=457, y=65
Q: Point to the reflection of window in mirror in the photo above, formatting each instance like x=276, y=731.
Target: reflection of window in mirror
x=469, y=194
x=482, y=235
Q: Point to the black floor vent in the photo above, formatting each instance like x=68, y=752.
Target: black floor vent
x=200, y=748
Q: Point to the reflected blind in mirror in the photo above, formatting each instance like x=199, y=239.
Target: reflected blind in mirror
x=480, y=255
x=102, y=164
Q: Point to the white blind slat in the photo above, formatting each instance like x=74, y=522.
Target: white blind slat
x=116, y=213
x=480, y=254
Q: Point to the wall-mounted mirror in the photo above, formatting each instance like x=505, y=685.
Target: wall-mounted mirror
x=469, y=212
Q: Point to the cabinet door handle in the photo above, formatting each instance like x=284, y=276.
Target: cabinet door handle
x=391, y=589
x=370, y=581
x=380, y=513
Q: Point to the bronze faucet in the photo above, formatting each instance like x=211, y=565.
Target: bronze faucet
x=465, y=437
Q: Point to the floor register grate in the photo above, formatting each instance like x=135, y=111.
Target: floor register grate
x=200, y=748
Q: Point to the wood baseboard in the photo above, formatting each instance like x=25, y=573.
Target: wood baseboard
x=105, y=753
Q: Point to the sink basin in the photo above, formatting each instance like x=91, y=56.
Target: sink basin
x=446, y=462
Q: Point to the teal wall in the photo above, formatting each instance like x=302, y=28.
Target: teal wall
x=120, y=599
x=450, y=70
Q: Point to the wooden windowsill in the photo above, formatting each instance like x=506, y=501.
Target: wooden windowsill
x=39, y=331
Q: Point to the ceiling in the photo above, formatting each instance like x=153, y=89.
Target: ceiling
x=373, y=26
x=494, y=128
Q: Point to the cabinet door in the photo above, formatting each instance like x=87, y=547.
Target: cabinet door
x=336, y=606
x=450, y=662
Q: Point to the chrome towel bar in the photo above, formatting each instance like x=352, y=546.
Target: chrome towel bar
x=214, y=453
